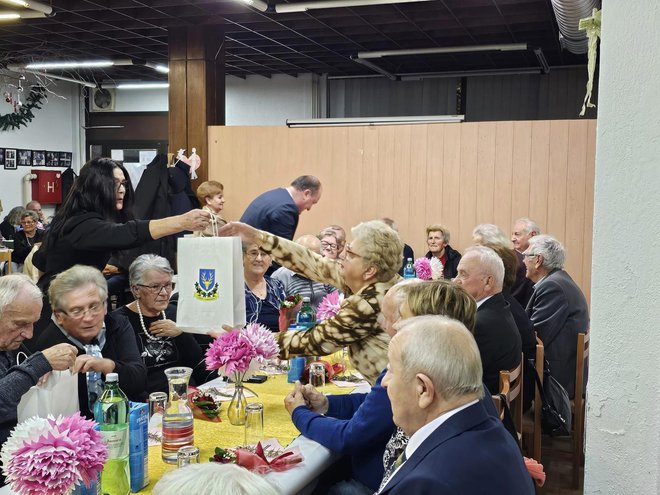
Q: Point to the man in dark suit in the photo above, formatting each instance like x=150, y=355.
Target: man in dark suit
x=277, y=211
x=523, y=230
x=557, y=308
x=481, y=273
x=433, y=381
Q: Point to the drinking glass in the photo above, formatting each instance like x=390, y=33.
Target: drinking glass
x=254, y=423
x=317, y=375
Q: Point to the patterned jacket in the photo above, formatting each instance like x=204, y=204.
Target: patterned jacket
x=356, y=325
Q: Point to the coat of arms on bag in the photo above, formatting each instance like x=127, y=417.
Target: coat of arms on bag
x=206, y=288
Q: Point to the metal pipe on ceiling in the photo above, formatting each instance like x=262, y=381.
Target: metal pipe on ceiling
x=332, y=4
x=568, y=14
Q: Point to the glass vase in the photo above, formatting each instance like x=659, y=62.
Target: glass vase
x=178, y=417
x=236, y=411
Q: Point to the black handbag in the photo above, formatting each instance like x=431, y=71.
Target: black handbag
x=555, y=405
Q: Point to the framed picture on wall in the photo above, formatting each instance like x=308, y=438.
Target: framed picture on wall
x=65, y=159
x=10, y=159
x=52, y=158
x=24, y=158
x=38, y=158
x=2, y=156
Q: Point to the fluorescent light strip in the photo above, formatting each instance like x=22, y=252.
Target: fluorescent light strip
x=9, y=16
x=38, y=6
x=332, y=4
x=447, y=49
x=69, y=65
x=154, y=85
x=350, y=122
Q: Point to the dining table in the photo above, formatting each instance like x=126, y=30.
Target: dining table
x=301, y=478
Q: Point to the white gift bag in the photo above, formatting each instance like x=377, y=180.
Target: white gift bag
x=59, y=395
x=210, y=283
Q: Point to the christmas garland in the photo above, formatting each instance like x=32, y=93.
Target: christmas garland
x=24, y=115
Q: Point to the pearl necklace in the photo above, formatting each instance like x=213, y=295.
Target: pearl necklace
x=144, y=328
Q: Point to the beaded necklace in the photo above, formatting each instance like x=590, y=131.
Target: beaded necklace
x=144, y=328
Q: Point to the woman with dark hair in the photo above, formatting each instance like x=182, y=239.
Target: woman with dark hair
x=96, y=220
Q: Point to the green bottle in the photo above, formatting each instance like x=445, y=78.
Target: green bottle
x=111, y=413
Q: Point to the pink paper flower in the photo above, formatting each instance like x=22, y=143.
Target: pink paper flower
x=329, y=306
x=262, y=340
x=230, y=352
x=68, y=452
x=423, y=268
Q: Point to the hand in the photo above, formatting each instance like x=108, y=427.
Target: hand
x=44, y=379
x=295, y=398
x=110, y=270
x=216, y=333
x=316, y=400
x=85, y=363
x=164, y=328
x=246, y=232
x=195, y=220
x=61, y=356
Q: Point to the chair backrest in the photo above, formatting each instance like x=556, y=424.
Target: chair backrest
x=511, y=386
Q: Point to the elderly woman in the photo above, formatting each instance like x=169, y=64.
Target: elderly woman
x=263, y=294
x=210, y=195
x=11, y=222
x=105, y=343
x=161, y=344
x=24, y=240
x=367, y=272
x=437, y=239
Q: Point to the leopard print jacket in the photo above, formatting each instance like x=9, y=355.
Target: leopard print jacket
x=356, y=325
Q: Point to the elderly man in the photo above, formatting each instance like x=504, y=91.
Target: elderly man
x=557, y=308
x=481, y=273
x=523, y=230
x=106, y=343
x=277, y=211
x=433, y=381
x=20, y=307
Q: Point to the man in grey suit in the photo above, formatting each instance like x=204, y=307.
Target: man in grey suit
x=557, y=307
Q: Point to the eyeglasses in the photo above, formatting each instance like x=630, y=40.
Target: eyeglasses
x=120, y=184
x=350, y=254
x=157, y=288
x=253, y=255
x=78, y=313
x=328, y=246
x=28, y=222
x=529, y=255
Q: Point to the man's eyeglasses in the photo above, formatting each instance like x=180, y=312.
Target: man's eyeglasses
x=529, y=255
x=157, y=288
x=78, y=313
x=120, y=184
x=328, y=246
x=253, y=255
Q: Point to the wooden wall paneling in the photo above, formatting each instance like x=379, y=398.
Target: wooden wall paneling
x=467, y=200
x=400, y=182
x=522, y=150
x=389, y=170
x=486, y=180
x=351, y=187
x=503, y=183
x=436, y=175
x=575, y=198
x=411, y=222
x=197, y=116
x=538, y=184
x=178, y=119
x=451, y=181
x=557, y=179
x=368, y=208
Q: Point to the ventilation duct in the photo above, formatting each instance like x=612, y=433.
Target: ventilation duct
x=568, y=14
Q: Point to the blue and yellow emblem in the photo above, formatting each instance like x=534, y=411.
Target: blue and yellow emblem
x=206, y=288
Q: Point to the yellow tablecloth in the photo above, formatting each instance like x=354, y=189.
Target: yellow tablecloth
x=208, y=436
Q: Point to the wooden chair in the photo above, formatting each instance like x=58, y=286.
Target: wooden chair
x=578, y=405
x=531, y=427
x=511, y=385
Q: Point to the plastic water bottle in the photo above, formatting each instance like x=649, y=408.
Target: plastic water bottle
x=111, y=413
x=409, y=269
x=306, y=316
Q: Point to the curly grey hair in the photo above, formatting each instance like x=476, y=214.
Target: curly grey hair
x=552, y=251
x=381, y=246
x=74, y=278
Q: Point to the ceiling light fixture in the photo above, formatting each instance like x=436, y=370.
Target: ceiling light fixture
x=28, y=4
x=447, y=49
x=164, y=69
x=5, y=16
x=333, y=4
x=257, y=4
x=69, y=65
x=147, y=85
x=350, y=122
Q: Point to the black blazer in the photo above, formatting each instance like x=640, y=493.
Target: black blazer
x=498, y=340
x=120, y=346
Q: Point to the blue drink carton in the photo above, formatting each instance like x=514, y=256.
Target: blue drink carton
x=138, y=427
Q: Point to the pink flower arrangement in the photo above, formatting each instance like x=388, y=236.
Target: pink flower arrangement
x=51, y=456
x=329, y=306
x=241, y=350
x=423, y=268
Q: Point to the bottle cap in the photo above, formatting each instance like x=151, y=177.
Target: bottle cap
x=112, y=377
x=409, y=259
x=306, y=299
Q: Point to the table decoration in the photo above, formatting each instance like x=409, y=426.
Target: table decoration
x=429, y=269
x=237, y=353
x=329, y=305
x=203, y=405
x=48, y=456
x=263, y=458
x=289, y=306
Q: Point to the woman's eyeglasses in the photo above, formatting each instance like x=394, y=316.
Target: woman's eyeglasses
x=157, y=288
x=328, y=246
x=120, y=184
x=253, y=255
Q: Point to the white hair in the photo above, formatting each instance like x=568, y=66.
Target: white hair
x=554, y=254
x=445, y=351
x=490, y=263
x=11, y=286
x=212, y=478
x=490, y=234
x=529, y=225
x=146, y=263
x=74, y=278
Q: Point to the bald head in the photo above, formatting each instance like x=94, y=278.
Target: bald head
x=311, y=242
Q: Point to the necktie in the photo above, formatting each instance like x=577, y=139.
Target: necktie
x=94, y=378
x=396, y=449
